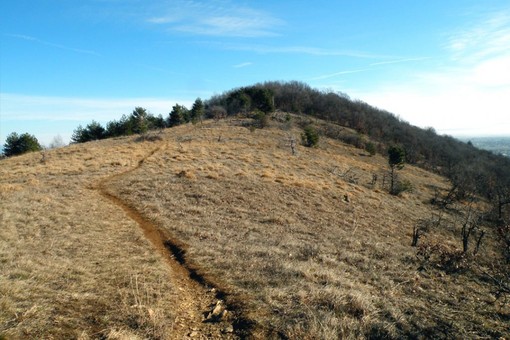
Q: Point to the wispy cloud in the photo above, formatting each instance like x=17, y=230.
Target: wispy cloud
x=481, y=51
x=488, y=37
x=306, y=50
x=398, y=61
x=18, y=107
x=216, y=18
x=336, y=74
x=469, y=94
x=241, y=65
x=369, y=67
x=47, y=43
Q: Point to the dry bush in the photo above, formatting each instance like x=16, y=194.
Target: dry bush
x=444, y=257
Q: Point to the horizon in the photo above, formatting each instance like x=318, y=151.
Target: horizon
x=440, y=65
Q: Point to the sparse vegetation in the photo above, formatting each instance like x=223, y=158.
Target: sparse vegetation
x=371, y=148
x=301, y=244
x=261, y=119
x=311, y=274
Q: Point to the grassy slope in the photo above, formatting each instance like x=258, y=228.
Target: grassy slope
x=277, y=228
x=310, y=246
x=69, y=268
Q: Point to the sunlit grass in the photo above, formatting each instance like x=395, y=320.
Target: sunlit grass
x=308, y=244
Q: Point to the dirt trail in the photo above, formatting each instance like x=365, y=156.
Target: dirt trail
x=201, y=313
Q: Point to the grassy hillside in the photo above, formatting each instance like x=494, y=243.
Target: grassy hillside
x=75, y=265
x=304, y=245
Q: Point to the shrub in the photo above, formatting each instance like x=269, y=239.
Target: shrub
x=261, y=119
x=370, y=148
x=446, y=258
x=310, y=137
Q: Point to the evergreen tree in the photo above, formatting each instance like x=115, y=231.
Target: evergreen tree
x=178, y=116
x=197, y=111
x=19, y=144
x=310, y=136
x=140, y=122
x=396, y=159
x=92, y=131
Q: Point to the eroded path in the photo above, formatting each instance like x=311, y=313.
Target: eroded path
x=79, y=263
x=200, y=312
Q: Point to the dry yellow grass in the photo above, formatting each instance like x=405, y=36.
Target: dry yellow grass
x=305, y=243
x=319, y=250
x=74, y=265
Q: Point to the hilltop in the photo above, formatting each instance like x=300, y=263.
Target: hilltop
x=135, y=237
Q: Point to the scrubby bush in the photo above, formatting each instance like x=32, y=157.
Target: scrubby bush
x=370, y=148
x=310, y=136
x=261, y=119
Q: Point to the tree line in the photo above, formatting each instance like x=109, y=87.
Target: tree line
x=470, y=170
x=139, y=121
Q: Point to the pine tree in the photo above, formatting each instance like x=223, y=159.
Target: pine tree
x=19, y=144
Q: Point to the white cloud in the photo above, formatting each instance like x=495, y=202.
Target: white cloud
x=216, y=18
x=468, y=99
x=468, y=95
x=398, y=61
x=488, y=37
x=308, y=50
x=336, y=74
x=18, y=107
x=241, y=65
x=47, y=43
x=454, y=110
x=493, y=72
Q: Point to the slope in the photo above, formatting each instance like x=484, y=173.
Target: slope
x=312, y=243
x=305, y=245
x=76, y=265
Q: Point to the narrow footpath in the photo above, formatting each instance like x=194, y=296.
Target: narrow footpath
x=201, y=313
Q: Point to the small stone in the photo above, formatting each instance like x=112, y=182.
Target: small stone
x=228, y=329
x=218, y=309
x=193, y=334
x=217, y=313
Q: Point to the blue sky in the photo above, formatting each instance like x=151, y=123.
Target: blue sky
x=444, y=64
